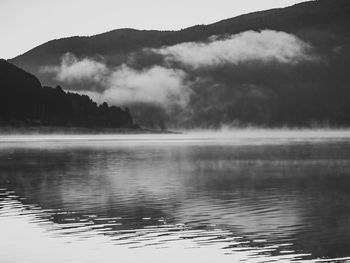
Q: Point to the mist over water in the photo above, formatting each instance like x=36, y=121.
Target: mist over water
x=244, y=195
x=226, y=133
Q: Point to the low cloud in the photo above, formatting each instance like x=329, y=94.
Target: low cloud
x=161, y=76
x=264, y=46
x=155, y=85
x=123, y=85
x=72, y=70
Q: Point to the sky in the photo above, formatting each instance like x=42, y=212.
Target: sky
x=25, y=24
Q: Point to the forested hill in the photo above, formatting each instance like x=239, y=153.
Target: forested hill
x=286, y=66
x=24, y=102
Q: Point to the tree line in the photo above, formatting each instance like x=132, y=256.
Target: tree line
x=24, y=102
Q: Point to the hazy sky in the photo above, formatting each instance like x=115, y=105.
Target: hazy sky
x=25, y=24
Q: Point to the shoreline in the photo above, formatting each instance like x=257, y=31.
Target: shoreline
x=55, y=130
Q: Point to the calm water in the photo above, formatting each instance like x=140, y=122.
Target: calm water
x=245, y=196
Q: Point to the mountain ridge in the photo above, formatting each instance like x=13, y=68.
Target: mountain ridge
x=252, y=21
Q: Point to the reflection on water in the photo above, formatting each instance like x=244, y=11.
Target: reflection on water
x=175, y=197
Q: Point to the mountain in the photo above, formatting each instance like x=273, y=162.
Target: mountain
x=24, y=102
x=287, y=66
x=301, y=19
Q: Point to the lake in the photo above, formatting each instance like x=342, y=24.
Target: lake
x=248, y=195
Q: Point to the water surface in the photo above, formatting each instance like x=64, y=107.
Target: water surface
x=251, y=196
